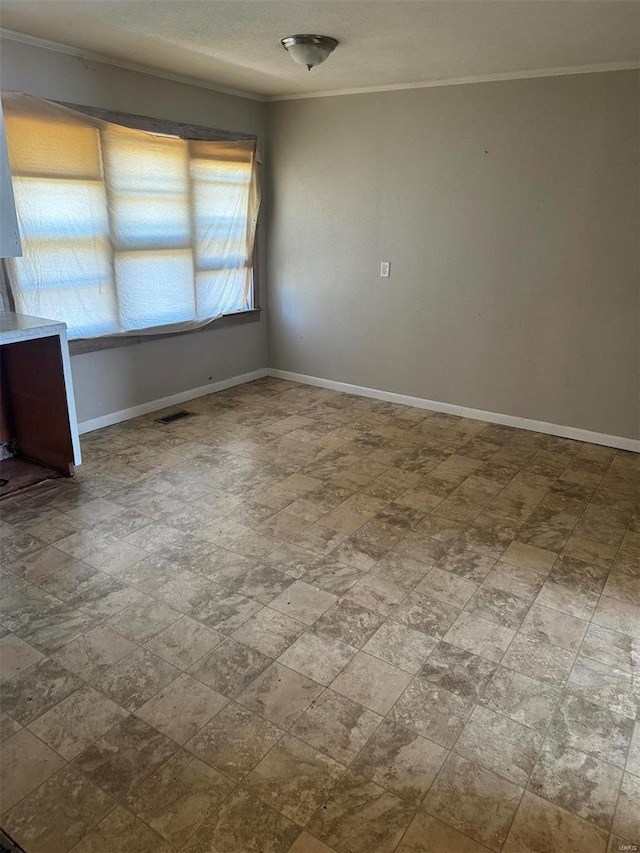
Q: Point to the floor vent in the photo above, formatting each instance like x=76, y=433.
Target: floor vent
x=174, y=416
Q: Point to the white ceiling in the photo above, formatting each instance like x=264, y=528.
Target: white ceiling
x=235, y=44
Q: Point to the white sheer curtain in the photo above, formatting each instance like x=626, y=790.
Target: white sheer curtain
x=125, y=231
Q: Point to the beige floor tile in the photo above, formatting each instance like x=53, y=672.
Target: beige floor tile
x=234, y=741
x=318, y=656
x=432, y=711
x=541, y=827
x=480, y=636
x=544, y=624
x=306, y=843
x=633, y=762
x=377, y=594
x=371, y=682
x=230, y=667
x=143, y=620
x=360, y=815
x=336, y=726
x=25, y=762
x=428, y=835
x=446, y=587
x=539, y=660
x=530, y=557
x=8, y=726
x=225, y=611
x=577, y=782
x=182, y=708
x=124, y=756
x=244, y=823
x=32, y=692
x=121, y=824
x=135, y=679
x=77, y=721
x=611, y=688
x=294, y=778
x=521, y=698
x=94, y=652
x=618, y=616
x=401, y=646
x=426, y=614
x=184, y=642
x=179, y=797
x=58, y=813
x=16, y=656
x=496, y=605
x=402, y=569
x=458, y=671
x=400, y=761
x=593, y=729
x=303, y=602
x=627, y=818
x=473, y=800
x=280, y=695
x=269, y=632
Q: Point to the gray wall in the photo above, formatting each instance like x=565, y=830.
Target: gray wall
x=115, y=379
x=509, y=212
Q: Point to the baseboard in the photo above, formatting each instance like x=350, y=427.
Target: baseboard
x=617, y=441
x=164, y=402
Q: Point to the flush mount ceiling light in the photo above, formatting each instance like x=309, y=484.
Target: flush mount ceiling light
x=309, y=50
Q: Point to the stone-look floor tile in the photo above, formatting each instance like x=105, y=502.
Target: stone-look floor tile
x=124, y=756
x=401, y=569
x=336, y=726
x=355, y=553
x=473, y=800
x=320, y=540
x=426, y=614
x=520, y=582
x=545, y=624
x=349, y=622
x=467, y=564
x=261, y=584
x=8, y=726
x=606, y=686
x=122, y=824
x=76, y=722
x=458, y=671
x=618, y=616
x=496, y=605
x=143, y=620
x=539, y=660
x=186, y=591
x=541, y=827
x=283, y=525
x=530, y=557
x=182, y=708
x=292, y=560
x=222, y=566
x=58, y=814
x=135, y=679
x=94, y=652
x=306, y=843
x=234, y=741
x=633, y=761
x=16, y=656
x=371, y=682
x=593, y=729
x=480, y=636
x=280, y=695
x=179, y=797
x=577, y=782
x=611, y=648
x=446, y=587
x=149, y=573
x=499, y=744
x=521, y=698
x=377, y=594
x=360, y=815
x=318, y=656
x=568, y=598
x=230, y=667
x=343, y=520
x=25, y=762
x=225, y=612
x=294, y=778
x=429, y=835
x=432, y=712
x=303, y=602
x=184, y=642
x=626, y=822
x=401, y=761
x=589, y=550
x=401, y=646
x=269, y=632
x=32, y=692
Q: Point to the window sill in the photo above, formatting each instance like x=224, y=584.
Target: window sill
x=84, y=345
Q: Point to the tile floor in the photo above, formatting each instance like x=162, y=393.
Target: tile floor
x=310, y=622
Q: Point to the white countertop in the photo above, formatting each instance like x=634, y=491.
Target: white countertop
x=21, y=327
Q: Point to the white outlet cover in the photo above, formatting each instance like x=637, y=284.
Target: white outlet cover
x=385, y=269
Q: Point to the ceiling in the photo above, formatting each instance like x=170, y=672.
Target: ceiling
x=235, y=44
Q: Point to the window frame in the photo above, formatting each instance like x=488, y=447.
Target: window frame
x=183, y=131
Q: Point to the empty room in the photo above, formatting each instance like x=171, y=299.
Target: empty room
x=320, y=426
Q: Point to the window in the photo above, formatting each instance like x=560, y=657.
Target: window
x=125, y=231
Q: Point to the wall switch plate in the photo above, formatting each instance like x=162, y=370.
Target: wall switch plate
x=385, y=268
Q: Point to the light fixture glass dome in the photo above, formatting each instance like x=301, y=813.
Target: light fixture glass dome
x=309, y=50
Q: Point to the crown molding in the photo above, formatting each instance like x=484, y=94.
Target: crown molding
x=461, y=81
x=93, y=56
x=153, y=71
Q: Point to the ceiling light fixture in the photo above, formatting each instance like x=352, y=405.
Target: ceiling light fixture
x=309, y=50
